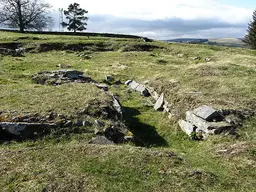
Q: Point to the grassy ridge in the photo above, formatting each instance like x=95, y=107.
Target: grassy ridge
x=69, y=163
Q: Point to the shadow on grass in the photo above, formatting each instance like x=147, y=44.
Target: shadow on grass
x=145, y=135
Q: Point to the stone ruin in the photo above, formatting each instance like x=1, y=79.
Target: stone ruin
x=12, y=52
x=160, y=105
x=33, y=126
x=207, y=121
x=137, y=87
x=61, y=76
x=202, y=121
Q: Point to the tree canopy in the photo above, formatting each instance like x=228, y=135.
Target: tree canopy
x=76, y=17
x=25, y=14
x=250, y=37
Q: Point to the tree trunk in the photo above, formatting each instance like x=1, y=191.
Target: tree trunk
x=21, y=24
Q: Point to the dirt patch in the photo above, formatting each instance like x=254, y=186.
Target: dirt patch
x=92, y=46
x=12, y=46
x=28, y=38
x=140, y=47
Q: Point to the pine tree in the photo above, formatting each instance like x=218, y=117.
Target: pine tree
x=76, y=18
x=250, y=37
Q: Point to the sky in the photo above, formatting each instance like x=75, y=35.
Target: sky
x=166, y=19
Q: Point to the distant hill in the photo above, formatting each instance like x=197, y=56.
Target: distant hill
x=228, y=42
x=188, y=40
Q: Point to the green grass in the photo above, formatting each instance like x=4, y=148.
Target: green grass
x=68, y=163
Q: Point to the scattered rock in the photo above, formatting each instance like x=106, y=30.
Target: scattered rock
x=109, y=78
x=196, y=58
x=19, y=52
x=138, y=87
x=79, y=123
x=129, y=138
x=114, y=134
x=208, y=59
x=102, y=86
x=187, y=127
x=133, y=85
x=99, y=123
x=87, y=123
x=101, y=140
x=26, y=130
x=159, y=103
x=117, y=106
x=68, y=123
x=84, y=55
x=143, y=90
x=118, y=82
x=64, y=66
x=128, y=82
x=61, y=76
x=166, y=107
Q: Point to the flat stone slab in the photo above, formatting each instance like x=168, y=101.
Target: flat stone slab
x=117, y=106
x=159, y=103
x=133, y=85
x=187, y=127
x=207, y=127
x=128, y=82
x=72, y=74
x=206, y=112
x=143, y=90
x=102, y=86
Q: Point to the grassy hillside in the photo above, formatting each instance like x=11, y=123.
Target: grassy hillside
x=226, y=42
x=165, y=160
x=230, y=42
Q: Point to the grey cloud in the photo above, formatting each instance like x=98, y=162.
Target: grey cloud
x=166, y=28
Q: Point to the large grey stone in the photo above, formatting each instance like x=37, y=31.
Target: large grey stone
x=133, y=85
x=72, y=74
x=25, y=130
x=109, y=78
x=143, y=90
x=220, y=127
x=197, y=121
x=19, y=52
x=128, y=82
x=206, y=112
x=208, y=127
x=117, y=106
x=159, y=103
x=101, y=140
x=102, y=86
x=99, y=123
x=187, y=127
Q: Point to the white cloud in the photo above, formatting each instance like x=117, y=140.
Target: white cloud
x=162, y=9
x=164, y=19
